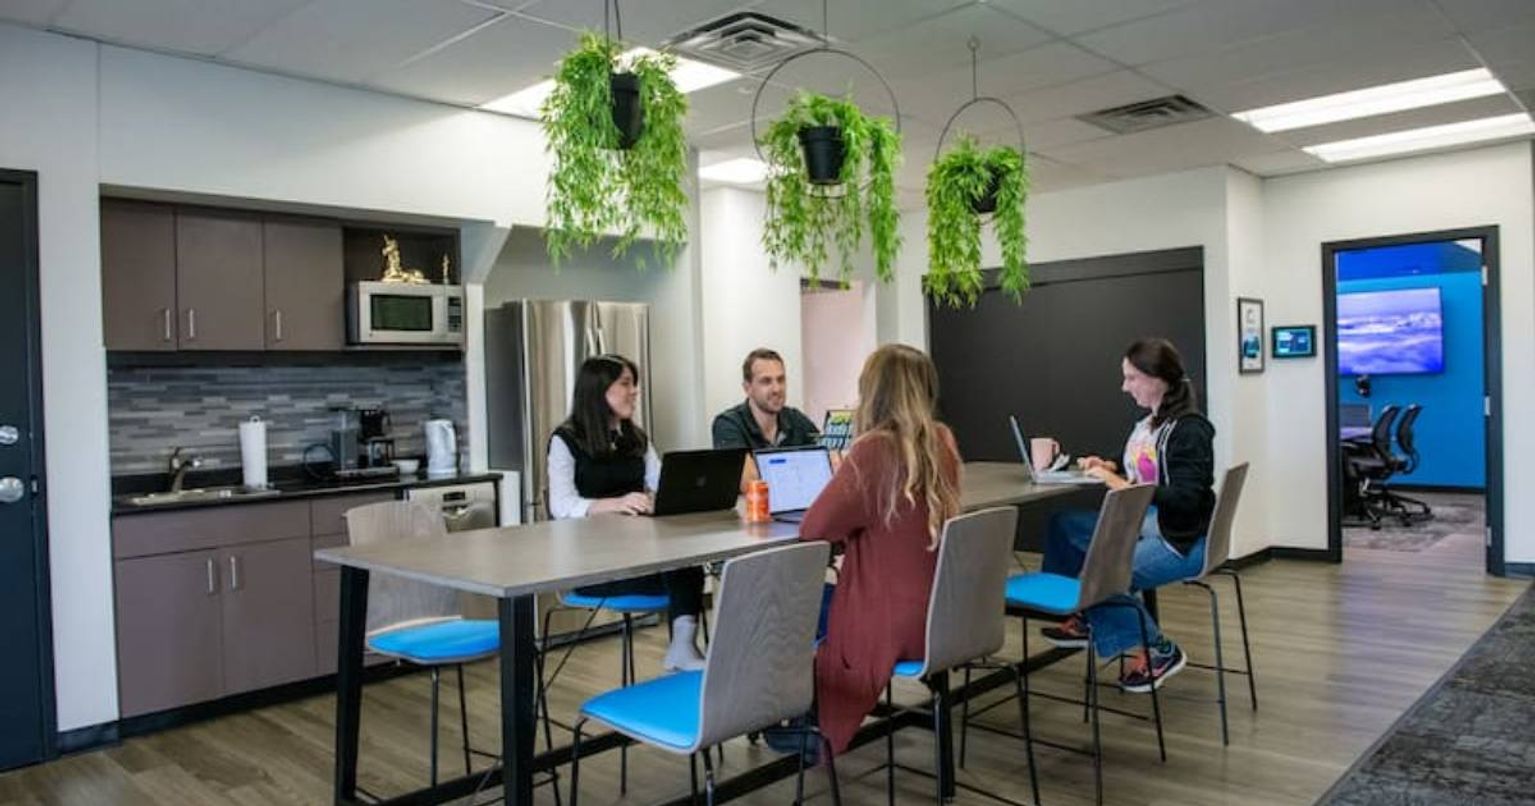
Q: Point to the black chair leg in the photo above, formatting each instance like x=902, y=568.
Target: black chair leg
x=436, y=685
x=831, y=771
x=463, y=716
x=575, y=762
x=693, y=776
x=1092, y=699
x=1247, y=652
x=799, y=780
x=626, y=675
x=964, y=719
x=708, y=778
x=890, y=749
x=1021, y=683
x=1156, y=701
x=1220, y=661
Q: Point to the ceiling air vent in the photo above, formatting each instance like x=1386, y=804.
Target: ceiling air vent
x=745, y=42
x=1147, y=115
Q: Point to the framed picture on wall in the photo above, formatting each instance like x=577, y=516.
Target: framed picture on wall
x=1249, y=335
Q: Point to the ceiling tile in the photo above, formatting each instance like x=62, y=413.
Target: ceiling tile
x=851, y=21
x=205, y=28
x=349, y=40
x=494, y=61
x=724, y=105
x=1089, y=95
x=1472, y=16
x=1389, y=34
x=1005, y=77
x=1214, y=141
x=1215, y=24
x=940, y=43
x=1366, y=68
x=1084, y=15
x=1509, y=53
x=1047, y=175
x=645, y=23
x=1411, y=119
x=31, y=12
x=1278, y=163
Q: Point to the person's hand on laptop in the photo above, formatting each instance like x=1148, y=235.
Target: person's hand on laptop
x=1087, y=463
x=1104, y=472
x=631, y=504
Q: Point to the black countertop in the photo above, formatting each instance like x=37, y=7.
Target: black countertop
x=290, y=483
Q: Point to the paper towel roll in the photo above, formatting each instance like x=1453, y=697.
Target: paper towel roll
x=253, y=452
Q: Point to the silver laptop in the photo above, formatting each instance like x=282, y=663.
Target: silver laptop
x=1045, y=476
x=795, y=476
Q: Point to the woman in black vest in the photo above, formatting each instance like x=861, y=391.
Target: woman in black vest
x=601, y=462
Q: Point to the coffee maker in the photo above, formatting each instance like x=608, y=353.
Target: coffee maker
x=360, y=444
x=373, y=433
x=344, y=440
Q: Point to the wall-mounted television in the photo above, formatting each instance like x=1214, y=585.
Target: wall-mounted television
x=1397, y=332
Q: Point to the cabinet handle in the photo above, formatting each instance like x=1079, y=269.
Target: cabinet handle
x=191, y=324
x=213, y=579
x=234, y=572
x=277, y=315
x=165, y=318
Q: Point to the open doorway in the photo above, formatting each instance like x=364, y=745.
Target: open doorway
x=1413, y=390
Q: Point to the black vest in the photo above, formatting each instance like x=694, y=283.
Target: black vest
x=604, y=477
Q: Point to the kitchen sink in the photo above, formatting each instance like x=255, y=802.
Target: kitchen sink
x=199, y=494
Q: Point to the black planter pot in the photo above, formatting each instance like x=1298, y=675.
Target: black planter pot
x=628, y=113
x=987, y=202
x=824, y=153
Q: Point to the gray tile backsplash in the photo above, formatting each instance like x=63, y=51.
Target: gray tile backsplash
x=153, y=409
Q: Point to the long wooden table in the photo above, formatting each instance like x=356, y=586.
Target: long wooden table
x=514, y=563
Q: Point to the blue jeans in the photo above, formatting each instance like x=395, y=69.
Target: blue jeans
x=1115, y=624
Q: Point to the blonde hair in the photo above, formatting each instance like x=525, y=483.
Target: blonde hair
x=898, y=397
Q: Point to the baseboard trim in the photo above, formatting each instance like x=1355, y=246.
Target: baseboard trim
x=1519, y=569
x=90, y=737
x=1310, y=555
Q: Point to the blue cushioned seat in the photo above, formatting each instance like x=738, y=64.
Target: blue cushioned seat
x=907, y=668
x=440, y=642
x=1051, y=593
x=663, y=711
x=625, y=603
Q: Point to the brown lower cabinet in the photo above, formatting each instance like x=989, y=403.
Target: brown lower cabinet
x=169, y=631
x=268, y=619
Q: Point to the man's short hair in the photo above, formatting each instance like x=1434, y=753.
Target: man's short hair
x=759, y=354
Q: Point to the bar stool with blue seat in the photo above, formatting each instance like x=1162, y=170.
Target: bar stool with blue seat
x=1106, y=573
x=965, y=625
x=416, y=622
x=759, y=671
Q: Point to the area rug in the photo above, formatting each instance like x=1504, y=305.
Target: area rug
x=1470, y=739
x=1454, y=515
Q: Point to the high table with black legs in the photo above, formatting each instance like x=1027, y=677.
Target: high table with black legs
x=514, y=563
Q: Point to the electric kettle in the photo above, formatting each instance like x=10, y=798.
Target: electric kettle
x=441, y=448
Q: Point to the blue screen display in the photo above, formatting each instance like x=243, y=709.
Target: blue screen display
x=1294, y=342
x=1391, y=332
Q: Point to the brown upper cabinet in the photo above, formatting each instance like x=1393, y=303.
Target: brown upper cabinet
x=305, y=297
x=138, y=275
x=177, y=278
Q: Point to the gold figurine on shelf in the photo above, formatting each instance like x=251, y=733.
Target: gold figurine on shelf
x=393, y=271
x=445, y=265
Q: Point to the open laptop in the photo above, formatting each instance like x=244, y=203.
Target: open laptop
x=699, y=481
x=1045, y=476
x=795, y=476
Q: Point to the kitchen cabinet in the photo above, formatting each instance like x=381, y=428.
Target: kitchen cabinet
x=138, y=275
x=304, y=291
x=169, y=629
x=268, y=615
x=219, y=283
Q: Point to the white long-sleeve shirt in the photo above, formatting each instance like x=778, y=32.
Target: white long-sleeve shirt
x=564, y=500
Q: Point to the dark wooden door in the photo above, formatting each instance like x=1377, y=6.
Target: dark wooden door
x=26, y=675
x=268, y=614
x=219, y=286
x=138, y=275
x=168, y=628
x=304, y=285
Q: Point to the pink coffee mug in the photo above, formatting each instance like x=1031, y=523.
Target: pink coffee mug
x=1043, y=451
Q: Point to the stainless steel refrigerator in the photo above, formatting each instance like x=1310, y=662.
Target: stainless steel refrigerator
x=533, y=350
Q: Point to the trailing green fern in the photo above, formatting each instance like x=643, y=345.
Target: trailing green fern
x=594, y=187
x=805, y=222
x=955, y=182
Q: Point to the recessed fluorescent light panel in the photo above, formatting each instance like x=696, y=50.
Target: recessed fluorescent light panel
x=1431, y=91
x=738, y=171
x=1451, y=134
x=689, y=76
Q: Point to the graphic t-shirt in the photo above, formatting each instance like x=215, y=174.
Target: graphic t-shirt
x=1143, y=452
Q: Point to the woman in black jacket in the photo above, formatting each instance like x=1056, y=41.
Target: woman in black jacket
x=1172, y=447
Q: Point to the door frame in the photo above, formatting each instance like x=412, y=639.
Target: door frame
x=31, y=300
x=1492, y=380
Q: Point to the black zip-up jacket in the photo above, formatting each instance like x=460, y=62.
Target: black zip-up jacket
x=1185, y=495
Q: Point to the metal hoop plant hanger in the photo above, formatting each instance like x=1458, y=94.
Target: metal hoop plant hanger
x=977, y=99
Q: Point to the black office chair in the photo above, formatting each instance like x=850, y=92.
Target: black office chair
x=1366, y=465
x=1412, y=509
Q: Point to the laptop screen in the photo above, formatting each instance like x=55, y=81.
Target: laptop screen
x=794, y=477
x=1023, y=444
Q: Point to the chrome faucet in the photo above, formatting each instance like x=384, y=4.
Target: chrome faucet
x=179, y=464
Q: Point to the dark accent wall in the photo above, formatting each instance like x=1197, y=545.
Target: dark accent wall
x=151, y=409
x=1054, y=360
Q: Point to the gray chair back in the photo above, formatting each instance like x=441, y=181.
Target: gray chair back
x=394, y=601
x=1106, y=571
x=1218, y=542
x=760, y=669
x=966, y=613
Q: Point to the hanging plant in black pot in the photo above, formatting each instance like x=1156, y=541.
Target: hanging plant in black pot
x=620, y=158
x=963, y=186
x=831, y=174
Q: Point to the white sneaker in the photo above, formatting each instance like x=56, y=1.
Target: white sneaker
x=683, y=655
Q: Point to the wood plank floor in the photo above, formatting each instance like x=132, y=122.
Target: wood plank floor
x=1341, y=652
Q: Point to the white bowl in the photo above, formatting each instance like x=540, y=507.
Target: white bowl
x=407, y=467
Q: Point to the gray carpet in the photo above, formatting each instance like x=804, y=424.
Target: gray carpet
x=1456, y=515
x=1470, y=739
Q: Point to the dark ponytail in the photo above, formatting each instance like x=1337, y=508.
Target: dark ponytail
x=1160, y=359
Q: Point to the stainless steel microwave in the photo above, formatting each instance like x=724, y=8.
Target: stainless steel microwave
x=405, y=313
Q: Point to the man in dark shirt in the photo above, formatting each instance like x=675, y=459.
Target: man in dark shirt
x=762, y=420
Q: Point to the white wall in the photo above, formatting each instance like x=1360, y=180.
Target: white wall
x=1489, y=186
x=746, y=304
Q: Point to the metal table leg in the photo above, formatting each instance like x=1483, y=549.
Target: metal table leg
x=518, y=690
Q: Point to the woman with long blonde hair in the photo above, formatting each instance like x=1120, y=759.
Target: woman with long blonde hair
x=885, y=507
